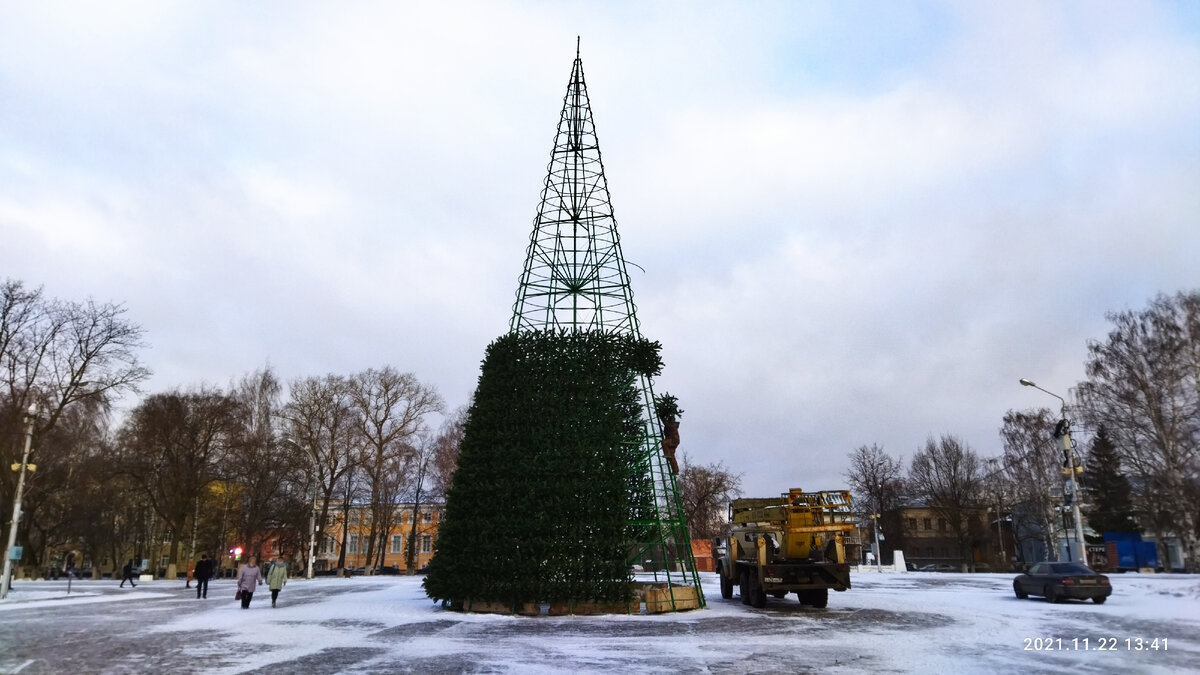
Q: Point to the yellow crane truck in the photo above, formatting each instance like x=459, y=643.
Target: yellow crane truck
x=787, y=544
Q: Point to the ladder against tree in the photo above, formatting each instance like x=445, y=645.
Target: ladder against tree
x=575, y=279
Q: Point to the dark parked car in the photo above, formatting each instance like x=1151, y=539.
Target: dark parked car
x=941, y=567
x=1057, y=581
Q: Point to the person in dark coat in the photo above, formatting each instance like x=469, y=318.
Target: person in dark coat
x=202, y=573
x=127, y=571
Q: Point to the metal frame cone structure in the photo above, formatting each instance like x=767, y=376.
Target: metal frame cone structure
x=575, y=279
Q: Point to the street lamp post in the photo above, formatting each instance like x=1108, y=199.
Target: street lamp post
x=30, y=418
x=875, y=527
x=1064, y=431
x=312, y=515
x=312, y=537
x=999, y=519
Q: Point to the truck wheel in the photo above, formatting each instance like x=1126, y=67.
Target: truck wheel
x=726, y=585
x=758, y=596
x=819, y=598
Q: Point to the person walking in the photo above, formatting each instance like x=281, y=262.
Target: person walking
x=276, y=577
x=249, y=577
x=202, y=572
x=127, y=572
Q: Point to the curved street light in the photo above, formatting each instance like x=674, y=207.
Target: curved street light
x=1069, y=453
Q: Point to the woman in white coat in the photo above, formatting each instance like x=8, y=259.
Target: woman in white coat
x=276, y=577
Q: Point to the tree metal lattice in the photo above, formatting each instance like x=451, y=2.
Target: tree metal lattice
x=575, y=279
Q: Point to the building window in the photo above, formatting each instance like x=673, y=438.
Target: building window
x=927, y=523
x=426, y=543
x=397, y=543
x=912, y=523
x=942, y=524
x=427, y=517
x=352, y=545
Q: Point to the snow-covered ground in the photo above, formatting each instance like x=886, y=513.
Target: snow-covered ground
x=888, y=623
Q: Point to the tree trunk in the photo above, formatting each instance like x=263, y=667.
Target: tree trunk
x=345, y=528
x=410, y=560
x=370, y=556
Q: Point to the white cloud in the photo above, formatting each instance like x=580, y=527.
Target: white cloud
x=856, y=226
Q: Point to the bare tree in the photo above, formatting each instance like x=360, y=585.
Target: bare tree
x=319, y=419
x=445, y=454
x=948, y=475
x=52, y=501
x=171, y=447
x=877, y=483
x=385, y=516
x=705, y=492
x=100, y=495
x=419, y=470
x=71, y=359
x=1032, y=462
x=1144, y=386
x=264, y=469
x=875, y=478
x=55, y=353
x=390, y=409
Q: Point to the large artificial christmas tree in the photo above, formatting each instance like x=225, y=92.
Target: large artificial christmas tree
x=562, y=482
x=540, y=508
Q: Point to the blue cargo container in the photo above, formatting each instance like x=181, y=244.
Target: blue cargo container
x=1132, y=552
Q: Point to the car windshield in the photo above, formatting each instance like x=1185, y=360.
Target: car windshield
x=1070, y=568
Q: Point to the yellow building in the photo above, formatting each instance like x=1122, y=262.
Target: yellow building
x=429, y=517
x=928, y=538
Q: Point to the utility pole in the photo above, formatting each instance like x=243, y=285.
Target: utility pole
x=878, y=552
x=999, y=516
x=1071, y=466
x=312, y=536
x=6, y=579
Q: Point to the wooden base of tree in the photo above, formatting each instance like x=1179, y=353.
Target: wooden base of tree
x=653, y=597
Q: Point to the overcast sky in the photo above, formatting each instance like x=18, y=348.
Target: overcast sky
x=859, y=222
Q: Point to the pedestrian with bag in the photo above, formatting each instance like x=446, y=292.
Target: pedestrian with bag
x=127, y=572
x=276, y=577
x=249, y=577
x=202, y=573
